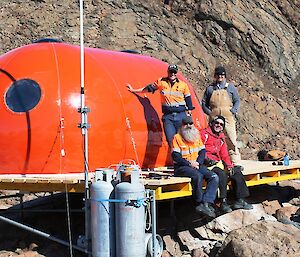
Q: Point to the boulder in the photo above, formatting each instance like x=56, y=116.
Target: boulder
x=262, y=239
x=30, y=254
x=199, y=253
x=192, y=243
x=295, y=201
x=291, y=184
x=172, y=246
x=7, y=253
x=236, y=219
x=165, y=253
x=285, y=214
x=271, y=207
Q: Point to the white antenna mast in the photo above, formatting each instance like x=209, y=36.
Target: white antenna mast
x=84, y=126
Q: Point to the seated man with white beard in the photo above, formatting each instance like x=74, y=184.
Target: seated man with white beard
x=188, y=155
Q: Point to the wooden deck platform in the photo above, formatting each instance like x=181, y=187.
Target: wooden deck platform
x=255, y=172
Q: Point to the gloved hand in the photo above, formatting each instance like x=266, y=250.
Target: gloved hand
x=235, y=169
x=209, y=162
x=230, y=172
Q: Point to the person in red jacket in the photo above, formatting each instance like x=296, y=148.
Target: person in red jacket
x=218, y=160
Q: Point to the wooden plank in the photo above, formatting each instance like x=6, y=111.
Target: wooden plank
x=42, y=187
x=7, y=180
x=169, y=173
x=160, y=182
x=254, y=167
x=43, y=181
x=31, y=180
x=19, y=180
x=71, y=176
x=164, y=169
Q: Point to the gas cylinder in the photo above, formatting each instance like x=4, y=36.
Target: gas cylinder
x=127, y=170
x=130, y=218
x=102, y=214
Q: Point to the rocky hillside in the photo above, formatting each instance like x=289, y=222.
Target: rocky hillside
x=256, y=40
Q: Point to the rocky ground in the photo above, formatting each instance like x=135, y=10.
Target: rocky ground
x=256, y=40
x=46, y=214
x=270, y=229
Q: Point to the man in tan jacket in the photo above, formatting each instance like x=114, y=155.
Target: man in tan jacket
x=222, y=98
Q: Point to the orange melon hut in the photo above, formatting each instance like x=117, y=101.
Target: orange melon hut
x=40, y=89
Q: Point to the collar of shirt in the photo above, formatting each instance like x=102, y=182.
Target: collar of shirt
x=220, y=136
x=220, y=85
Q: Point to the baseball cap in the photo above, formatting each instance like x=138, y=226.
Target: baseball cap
x=220, y=70
x=173, y=67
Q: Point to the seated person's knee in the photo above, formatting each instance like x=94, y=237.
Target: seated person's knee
x=215, y=178
x=221, y=173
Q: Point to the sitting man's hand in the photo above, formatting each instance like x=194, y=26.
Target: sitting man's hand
x=230, y=172
x=194, y=164
x=235, y=169
x=209, y=162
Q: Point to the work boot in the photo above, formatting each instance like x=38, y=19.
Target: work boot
x=204, y=208
x=242, y=204
x=211, y=207
x=224, y=207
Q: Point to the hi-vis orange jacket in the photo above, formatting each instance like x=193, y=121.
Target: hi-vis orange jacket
x=188, y=151
x=174, y=98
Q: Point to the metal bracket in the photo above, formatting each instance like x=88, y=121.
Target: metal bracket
x=84, y=109
x=84, y=125
x=82, y=242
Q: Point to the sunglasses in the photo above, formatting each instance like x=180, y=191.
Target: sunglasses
x=219, y=123
x=190, y=123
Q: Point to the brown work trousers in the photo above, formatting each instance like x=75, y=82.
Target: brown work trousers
x=221, y=104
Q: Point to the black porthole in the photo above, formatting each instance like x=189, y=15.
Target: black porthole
x=23, y=95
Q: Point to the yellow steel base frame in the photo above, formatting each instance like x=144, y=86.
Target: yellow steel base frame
x=164, y=192
x=170, y=188
x=271, y=177
x=43, y=187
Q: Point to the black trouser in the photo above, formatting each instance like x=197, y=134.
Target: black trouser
x=238, y=183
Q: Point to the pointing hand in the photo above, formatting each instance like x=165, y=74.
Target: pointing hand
x=129, y=87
